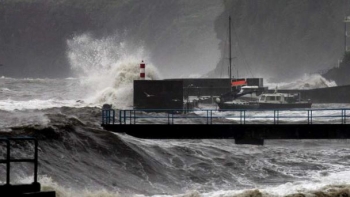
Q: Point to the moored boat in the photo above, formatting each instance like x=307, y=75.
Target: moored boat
x=268, y=101
x=282, y=101
x=241, y=88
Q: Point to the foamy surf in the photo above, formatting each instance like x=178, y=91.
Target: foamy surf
x=84, y=160
x=10, y=105
x=305, y=82
x=334, y=185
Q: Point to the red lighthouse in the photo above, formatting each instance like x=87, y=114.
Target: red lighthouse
x=142, y=70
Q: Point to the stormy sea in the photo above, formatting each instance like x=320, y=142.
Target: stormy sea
x=78, y=158
x=61, y=61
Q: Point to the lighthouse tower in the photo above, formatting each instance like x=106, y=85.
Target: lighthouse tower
x=142, y=70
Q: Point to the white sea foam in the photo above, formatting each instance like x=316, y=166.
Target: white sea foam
x=305, y=82
x=5, y=90
x=307, y=188
x=47, y=184
x=332, y=185
x=328, y=181
x=107, y=67
x=10, y=105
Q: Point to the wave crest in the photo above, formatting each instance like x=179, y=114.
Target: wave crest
x=108, y=67
x=306, y=82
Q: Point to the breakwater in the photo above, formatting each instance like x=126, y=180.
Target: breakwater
x=245, y=126
x=217, y=87
x=338, y=94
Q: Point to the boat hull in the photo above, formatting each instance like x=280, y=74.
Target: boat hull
x=228, y=106
x=284, y=105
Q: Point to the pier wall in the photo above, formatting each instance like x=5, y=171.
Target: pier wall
x=339, y=94
x=204, y=87
x=158, y=94
x=242, y=125
x=243, y=134
x=211, y=86
x=171, y=93
x=216, y=87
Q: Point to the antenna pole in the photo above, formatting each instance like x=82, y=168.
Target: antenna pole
x=346, y=20
x=230, y=58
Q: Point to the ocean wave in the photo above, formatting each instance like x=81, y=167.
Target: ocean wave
x=77, y=153
x=333, y=190
x=29, y=80
x=108, y=67
x=6, y=90
x=11, y=105
x=305, y=82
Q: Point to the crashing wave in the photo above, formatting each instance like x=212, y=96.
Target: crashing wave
x=306, y=82
x=108, y=67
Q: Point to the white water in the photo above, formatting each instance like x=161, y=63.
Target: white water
x=305, y=82
x=107, y=67
x=110, y=82
x=10, y=105
x=330, y=184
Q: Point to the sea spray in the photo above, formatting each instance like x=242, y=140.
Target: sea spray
x=107, y=67
x=305, y=82
x=47, y=184
x=86, y=161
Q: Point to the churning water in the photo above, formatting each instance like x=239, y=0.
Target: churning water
x=78, y=158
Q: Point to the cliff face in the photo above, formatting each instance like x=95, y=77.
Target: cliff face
x=34, y=33
x=282, y=39
x=340, y=74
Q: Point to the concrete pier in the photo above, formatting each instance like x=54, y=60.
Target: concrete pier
x=243, y=134
x=244, y=128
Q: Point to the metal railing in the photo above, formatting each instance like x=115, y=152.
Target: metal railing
x=108, y=116
x=10, y=160
x=210, y=116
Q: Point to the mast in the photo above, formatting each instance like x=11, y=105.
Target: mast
x=346, y=20
x=230, y=58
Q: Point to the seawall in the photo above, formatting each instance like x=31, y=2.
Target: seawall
x=338, y=94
